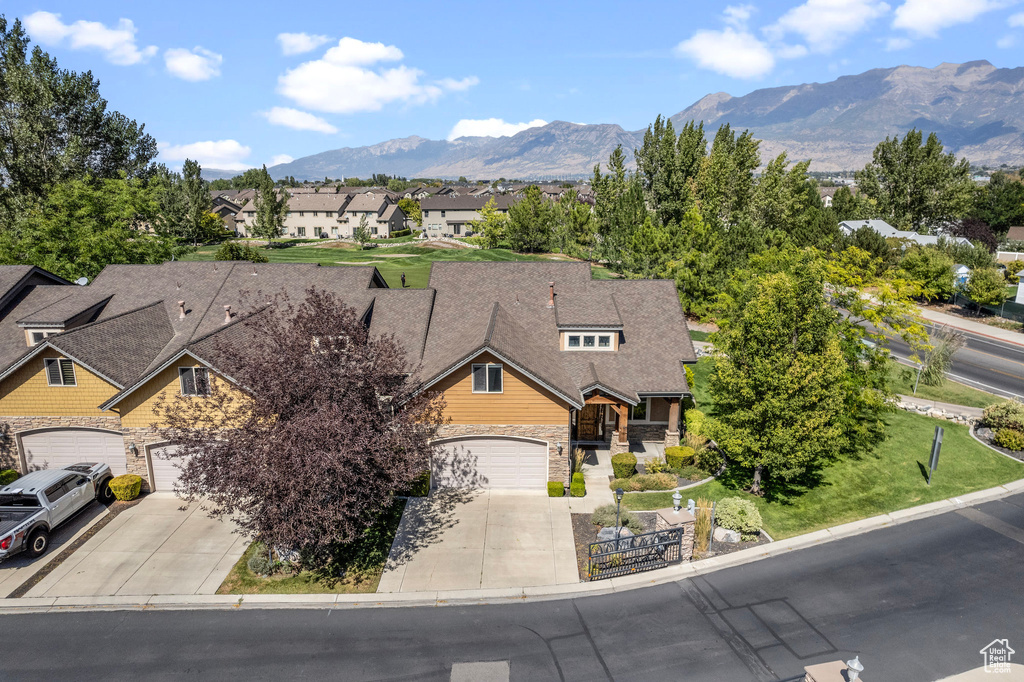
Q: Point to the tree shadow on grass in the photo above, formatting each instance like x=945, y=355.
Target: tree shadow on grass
x=774, y=490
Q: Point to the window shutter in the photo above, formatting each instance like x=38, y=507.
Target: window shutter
x=480, y=378
x=494, y=378
x=67, y=372
x=53, y=372
x=202, y=381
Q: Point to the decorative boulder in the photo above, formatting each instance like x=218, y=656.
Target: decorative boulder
x=608, y=533
x=722, y=535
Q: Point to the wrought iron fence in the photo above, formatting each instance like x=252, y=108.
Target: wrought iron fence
x=635, y=553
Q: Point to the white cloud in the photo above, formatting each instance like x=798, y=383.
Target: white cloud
x=197, y=64
x=1006, y=41
x=737, y=16
x=927, y=17
x=730, y=52
x=297, y=43
x=299, y=120
x=490, y=127
x=280, y=158
x=896, y=44
x=1016, y=20
x=826, y=24
x=117, y=44
x=343, y=80
x=790, y=51
x=222, y=154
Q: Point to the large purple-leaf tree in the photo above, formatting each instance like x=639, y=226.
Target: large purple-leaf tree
x=310, y=429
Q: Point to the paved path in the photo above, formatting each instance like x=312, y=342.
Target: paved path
x=152, y=548
x=915, y=601
x=979, y=328
x=975, y=412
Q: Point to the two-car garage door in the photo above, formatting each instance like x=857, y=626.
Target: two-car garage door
x=57, y=448
x=490, y=462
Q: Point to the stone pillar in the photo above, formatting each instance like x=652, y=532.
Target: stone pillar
x=670, y=518
x=616, y=446
x=672, y=433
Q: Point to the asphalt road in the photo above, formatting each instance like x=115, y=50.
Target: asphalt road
x=916, y=602
x=983, y=363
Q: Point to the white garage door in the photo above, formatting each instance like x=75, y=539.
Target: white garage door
x=58, y=448
x=165, y=466
x=491, y=463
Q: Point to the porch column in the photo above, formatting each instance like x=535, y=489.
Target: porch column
x=672, y=432
x=623, y=419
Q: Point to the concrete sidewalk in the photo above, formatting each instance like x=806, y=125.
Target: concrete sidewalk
x=979, y=328
x=975, y=412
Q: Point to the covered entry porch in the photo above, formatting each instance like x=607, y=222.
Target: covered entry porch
x=616, y=420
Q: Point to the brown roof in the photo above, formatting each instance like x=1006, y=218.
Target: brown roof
x=317, y=202
x=362, y=202
x=465, y=202
x=1015, y=234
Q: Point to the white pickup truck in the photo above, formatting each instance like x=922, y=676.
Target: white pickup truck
x=37, y=503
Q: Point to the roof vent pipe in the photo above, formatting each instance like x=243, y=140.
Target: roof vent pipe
x=181, y=310
x=551, y=299
x=227, y=314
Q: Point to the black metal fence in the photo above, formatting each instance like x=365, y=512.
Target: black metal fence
x=1008, y=310
x=635, y=553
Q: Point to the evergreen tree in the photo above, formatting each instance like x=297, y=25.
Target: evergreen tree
x=530, y=222
x=271, y=209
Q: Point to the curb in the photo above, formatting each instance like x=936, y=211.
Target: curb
x=505, y=595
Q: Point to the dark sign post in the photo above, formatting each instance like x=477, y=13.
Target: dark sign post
x=936, y=447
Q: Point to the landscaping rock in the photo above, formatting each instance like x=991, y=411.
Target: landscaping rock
x=723, y=535
x=608, y=533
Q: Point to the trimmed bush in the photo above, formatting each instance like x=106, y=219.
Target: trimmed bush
x=1007, y=415
x=679, y=456
x=8, y=476
x=624, y=464
x=126, y=487
x=400, y=233
x=695, y=422
x=237, y=251
x=739, y=515
x=604, y=516
x=578, y=488
x=638, y=484
x=1010, y=439
x=556, y=489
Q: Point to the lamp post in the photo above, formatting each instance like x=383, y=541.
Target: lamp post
x=618, y=530
x=677, y=501
x=854, y=668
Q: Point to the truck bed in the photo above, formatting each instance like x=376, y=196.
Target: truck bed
x=11, y=517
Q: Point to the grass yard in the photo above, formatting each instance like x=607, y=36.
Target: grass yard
x=698, y=335
x=414, y=261
x=893, y=477
x=902, y=377
x=361, y=561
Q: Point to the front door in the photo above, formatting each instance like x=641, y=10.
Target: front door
x=589, y=427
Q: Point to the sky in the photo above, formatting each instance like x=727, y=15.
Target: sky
x=237, y=85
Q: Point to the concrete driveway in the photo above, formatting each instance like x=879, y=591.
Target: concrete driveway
x=466, y=540
x=151, y=548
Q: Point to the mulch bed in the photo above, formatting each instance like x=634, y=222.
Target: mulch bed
x=113, y=510
x=584, y=533
x=985, y=435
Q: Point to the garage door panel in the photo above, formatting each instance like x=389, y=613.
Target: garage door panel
x=166, y=467
x=491, y=462
x=58, y=449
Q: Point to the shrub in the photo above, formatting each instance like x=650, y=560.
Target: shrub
x=1011, y=439
x=624, y=464
x=1007, y=415
x=578, y=457
x=126, y=487
x=679, y=456
x=695, y=422
x=237, y=251
x=8, y=476
x=637, y=484
x=421, y=485
x=556, y=489
x=401, y=233
x=259, y=563
x=604, y=516
x=655, y=465
x=739, y=515
x=709, y=460
x=702, y=525
x=578, y=487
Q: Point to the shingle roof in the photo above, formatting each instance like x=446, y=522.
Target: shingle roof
x=465, y=202
x=65, y=309
x=317, y=202
x=1015, y=234
x=362, y=202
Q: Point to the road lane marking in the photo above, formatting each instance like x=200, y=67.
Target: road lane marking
x=992, y=523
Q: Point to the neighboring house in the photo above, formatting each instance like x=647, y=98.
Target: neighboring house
x=883, y=228
x=1015, y=234
x=1019, y=298
x=226, y=210
x=452, y=215
x=530, y=359
x=961, y=273
x=308, y=215
x=382, y=215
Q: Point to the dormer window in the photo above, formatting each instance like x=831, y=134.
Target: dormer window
x=595, y=341
x=37, y=336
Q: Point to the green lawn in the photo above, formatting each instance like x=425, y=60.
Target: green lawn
x=362, y=560
x=890, y=478
x=414, y=261
x=901, y=380
x=698, y=335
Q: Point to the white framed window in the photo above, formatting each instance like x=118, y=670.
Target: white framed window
x=37, y=336
x=443, y=213
x=302, y=214
x=330, y=214
x=301, y=231
x=194, y=380
x=315, y=214
x=574, y=341
x=60, y=372
x=487, y=378
x=584, y=341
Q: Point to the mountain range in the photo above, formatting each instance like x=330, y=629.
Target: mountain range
x=976, y=109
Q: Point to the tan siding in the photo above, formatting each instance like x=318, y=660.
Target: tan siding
x=521, y=402
x=137, y=409
x=26, y=392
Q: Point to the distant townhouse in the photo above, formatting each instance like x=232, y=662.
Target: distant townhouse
x=883, y=228
x=382, y=216
x=452, y=216
x=309, y=215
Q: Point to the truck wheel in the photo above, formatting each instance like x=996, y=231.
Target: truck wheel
x=105, y=495
x=38, y=542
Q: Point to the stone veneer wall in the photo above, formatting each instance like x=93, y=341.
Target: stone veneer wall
x=668, y=518
x=558, y=465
